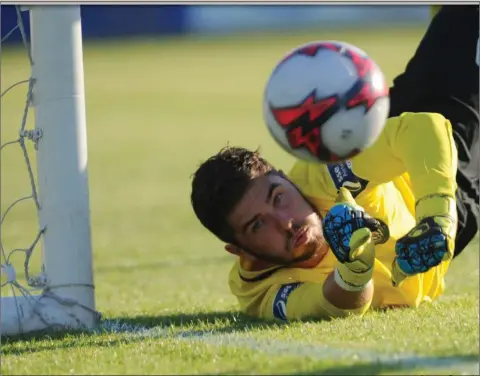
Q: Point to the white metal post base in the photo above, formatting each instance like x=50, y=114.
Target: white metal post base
x=41, y=312
x=64, y=213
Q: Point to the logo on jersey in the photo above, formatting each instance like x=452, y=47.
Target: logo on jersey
x=343, y=176
x=280, y=302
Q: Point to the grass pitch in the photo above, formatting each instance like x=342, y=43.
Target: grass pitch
x=155, y=110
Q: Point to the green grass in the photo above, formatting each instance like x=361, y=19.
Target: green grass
x=155, y=109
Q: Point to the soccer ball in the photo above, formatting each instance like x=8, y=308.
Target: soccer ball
x=326, y=101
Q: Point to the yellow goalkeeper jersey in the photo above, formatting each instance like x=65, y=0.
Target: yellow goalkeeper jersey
x=415, y=156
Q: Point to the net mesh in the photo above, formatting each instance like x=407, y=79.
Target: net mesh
x=24, y=135
x=19, y=280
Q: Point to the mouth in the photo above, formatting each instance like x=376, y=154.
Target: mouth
x=300, y=238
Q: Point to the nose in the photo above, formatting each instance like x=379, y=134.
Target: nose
x=283, y=221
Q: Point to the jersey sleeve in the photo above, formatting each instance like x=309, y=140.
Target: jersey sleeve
x=303, y=301
x=420, y=144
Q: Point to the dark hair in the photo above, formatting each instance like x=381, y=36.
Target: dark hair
x=220, y=182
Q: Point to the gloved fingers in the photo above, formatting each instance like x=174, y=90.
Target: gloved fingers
x=345, y=196
x=359, y=239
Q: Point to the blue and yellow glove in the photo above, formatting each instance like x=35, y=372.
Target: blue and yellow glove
x=430, y=242
x=352, y=234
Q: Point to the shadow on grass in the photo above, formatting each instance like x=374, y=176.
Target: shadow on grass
x=428, y=365
x=233, y=321
x=130, y=330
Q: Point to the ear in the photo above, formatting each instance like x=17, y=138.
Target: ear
x=233, y=249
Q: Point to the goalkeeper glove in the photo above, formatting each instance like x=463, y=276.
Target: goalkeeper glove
x=430, y=242
x=357, y=271
x=352, y=234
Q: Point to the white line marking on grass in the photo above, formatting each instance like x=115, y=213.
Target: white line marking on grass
x=325, y=352
x=404, y=361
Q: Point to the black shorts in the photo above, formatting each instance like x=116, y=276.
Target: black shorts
x=443, y=77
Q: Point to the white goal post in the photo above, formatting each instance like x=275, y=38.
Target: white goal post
x=58, y=102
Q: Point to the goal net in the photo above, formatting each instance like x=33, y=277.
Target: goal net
x=61, y=294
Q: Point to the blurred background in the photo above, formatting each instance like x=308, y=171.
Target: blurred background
x=166, y=87
x=116, y=21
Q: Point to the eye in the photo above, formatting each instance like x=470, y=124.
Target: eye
x=277, y=199
x=257, y=225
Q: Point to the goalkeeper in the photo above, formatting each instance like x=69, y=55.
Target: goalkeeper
x=309, y=248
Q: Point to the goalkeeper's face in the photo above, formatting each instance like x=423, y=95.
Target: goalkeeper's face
x=274, y=222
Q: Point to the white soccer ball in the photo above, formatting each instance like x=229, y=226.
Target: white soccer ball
x=326, y=101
